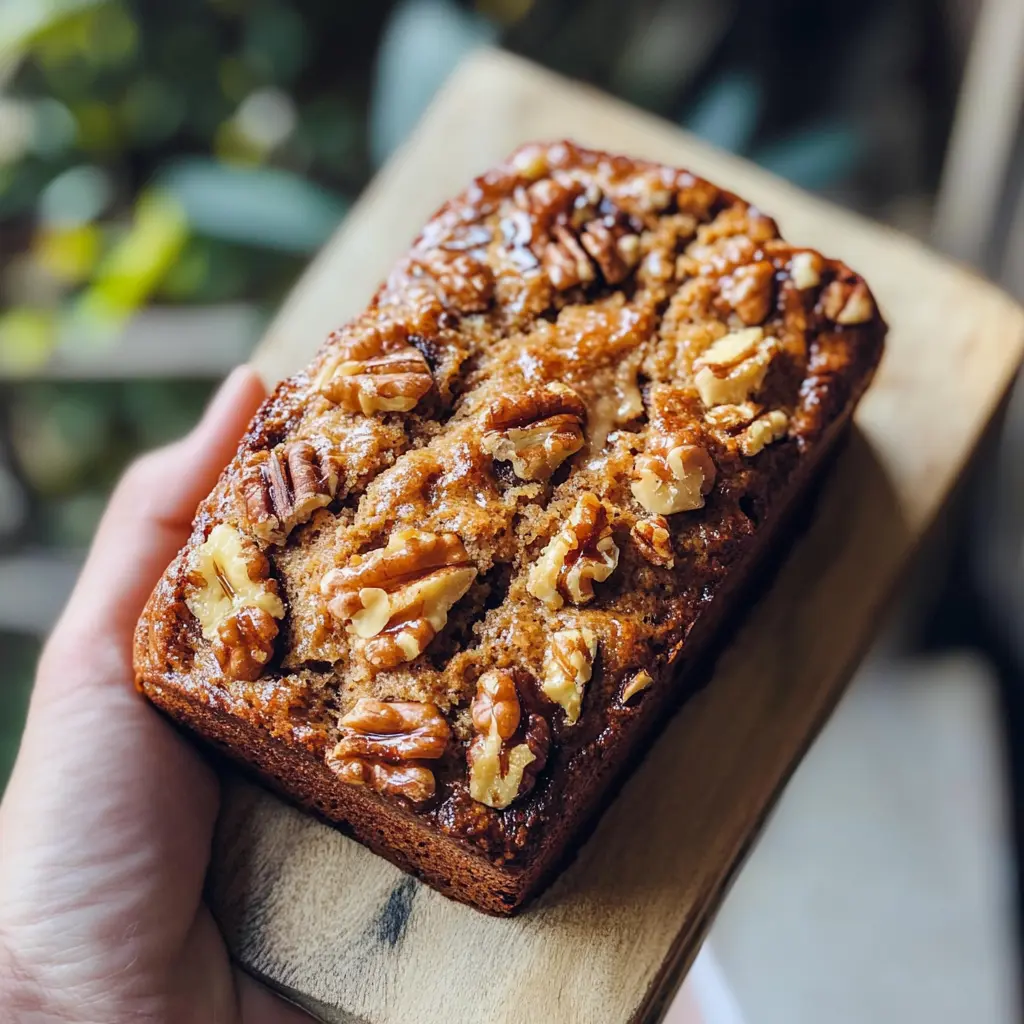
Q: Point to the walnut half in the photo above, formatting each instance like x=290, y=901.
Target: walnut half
x=375, y=370
x=382, y=741
x=536, y=431
x=235, y=601
x=284, y=487
x=500, y=771
x=397, y=598
x=578, y=555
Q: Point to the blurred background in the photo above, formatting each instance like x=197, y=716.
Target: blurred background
x=166, y=172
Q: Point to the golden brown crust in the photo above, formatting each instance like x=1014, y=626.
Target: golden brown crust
x=553, y=447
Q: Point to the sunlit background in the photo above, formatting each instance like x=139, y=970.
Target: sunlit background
x=168, y=169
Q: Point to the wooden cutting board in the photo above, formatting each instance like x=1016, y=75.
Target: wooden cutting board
x=352, y=938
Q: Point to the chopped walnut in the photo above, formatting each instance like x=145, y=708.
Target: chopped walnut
x=731, y=417
x=579, y=554
x=748, y=290
x=284, y=487
x=733, y=368
x=397, y=598
x=654, y=541
x=672, y=476
x=763, y=431
x=535, y=431
x=377, y=736
x=499, y=774
x=848, y=303
x=568, y=665
x=232, y=595
x=640, y=682
x=373, y=371
x=805, y=270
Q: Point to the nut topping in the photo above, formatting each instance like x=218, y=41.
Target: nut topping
x=672, y=477
x=654, y=541
x=235, y=601
x=640, y=682
x=748, y=289
x=284, y=487
x=379, y=738
x=412, y=781
x=568, y=665
x=763, y=431
x=579, y=554
x=847, y=303
x=536, y=431
x=565, y=261
x=733, y=368
x=375, y=372
x=464, y=282
x=805, y=270
x=498, y=774
x=397, y=598
x=615, y=256
x=730, y=417
x=393, y=731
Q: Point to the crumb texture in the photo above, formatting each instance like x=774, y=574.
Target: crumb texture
x=452, y=560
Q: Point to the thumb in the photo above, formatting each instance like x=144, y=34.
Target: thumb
x=149, y=516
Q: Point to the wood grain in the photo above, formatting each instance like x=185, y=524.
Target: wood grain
x=355, y=940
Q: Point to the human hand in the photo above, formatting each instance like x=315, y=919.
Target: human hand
x=106, y=824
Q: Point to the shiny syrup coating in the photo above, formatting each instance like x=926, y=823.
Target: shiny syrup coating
x=607, y=275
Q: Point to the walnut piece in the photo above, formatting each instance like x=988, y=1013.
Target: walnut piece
x=374, y=370
x=578, y=235
x=412, y=781
x=377, y=736
x=464, y=282
x=672, y=477
x=499, y=773
x=654, y=541
x=730, y=417
x=848, y=303
x=284, y=487
x=535, y=431
x=565, y=261
x=615, y=254
x=235, y=601
x=763, y=431
x=733, y=368
x=748, y=289
x=805, y=270
x=397, y=598
x=640, y=682
x=579, y=554
x=568, y=665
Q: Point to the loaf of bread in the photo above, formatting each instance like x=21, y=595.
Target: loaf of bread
x=451, y=583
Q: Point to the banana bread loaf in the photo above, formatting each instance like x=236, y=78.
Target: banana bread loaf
x=445, y=590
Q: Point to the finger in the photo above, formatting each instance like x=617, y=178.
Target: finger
x=149, y=514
